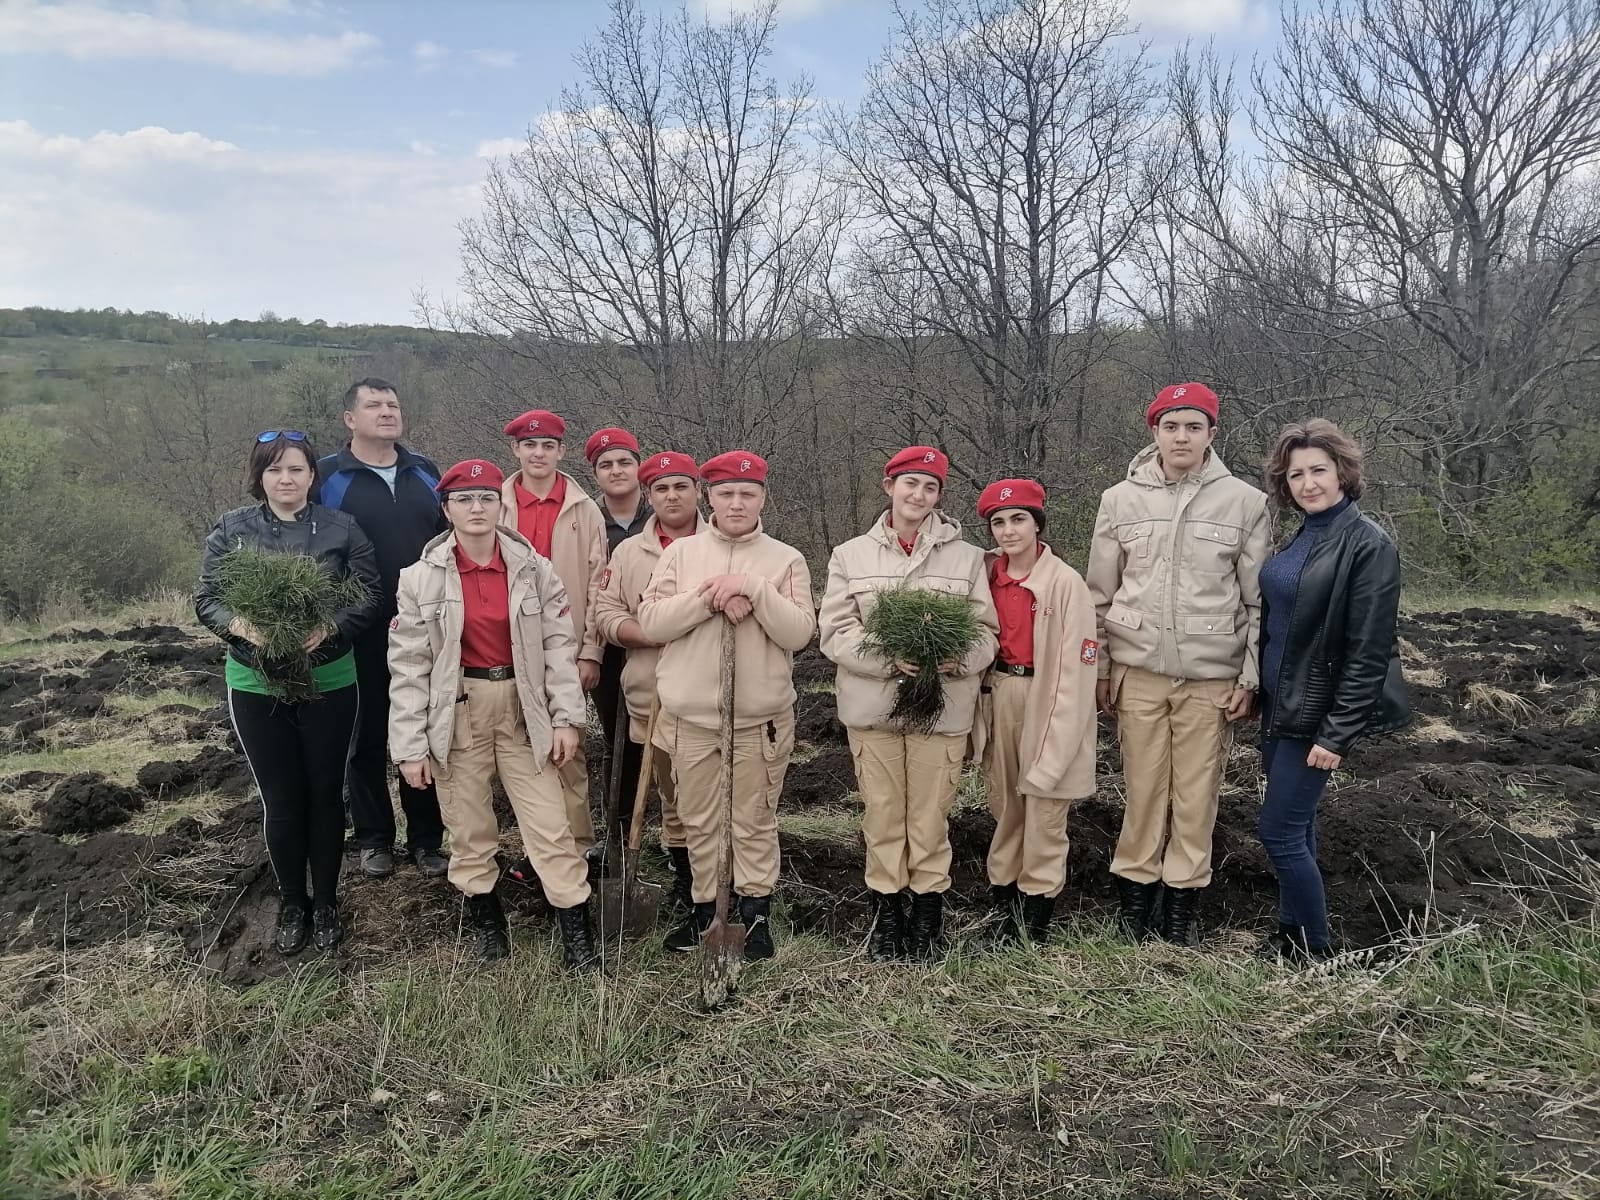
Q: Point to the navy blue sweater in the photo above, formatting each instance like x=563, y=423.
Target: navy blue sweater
x=1280, y=582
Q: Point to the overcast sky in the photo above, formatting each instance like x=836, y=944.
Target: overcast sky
x=224, y=157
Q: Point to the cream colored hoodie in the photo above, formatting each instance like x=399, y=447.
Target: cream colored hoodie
x=577, y=551
x=864, y=566
x=689, y=671
x=1175, y=572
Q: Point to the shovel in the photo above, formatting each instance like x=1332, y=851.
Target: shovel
x=626, y=905
x=722, y=946
x=613, y=813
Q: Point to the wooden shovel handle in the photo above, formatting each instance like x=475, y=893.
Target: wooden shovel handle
x=646, y=774
x=725, y=849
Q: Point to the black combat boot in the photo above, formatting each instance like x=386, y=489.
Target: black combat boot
x=1137, y=901
x=756, y=913
x=577, y=938
x=887, y=942
x=294, y=927
x=488, y=921
x=681, y=895
x=1287, y=944
x=686, y=937
x=927, y=926
x=1002, y=926
x=1177, y=916
x=1036, y=914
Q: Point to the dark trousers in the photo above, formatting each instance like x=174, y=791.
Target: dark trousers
x=296, y=753
x=1289, y=832
x=607, y=697
x=367, y=776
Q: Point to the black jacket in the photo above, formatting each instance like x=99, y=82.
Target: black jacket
x=326, y=534
x=1341, y=659
x=399, y=524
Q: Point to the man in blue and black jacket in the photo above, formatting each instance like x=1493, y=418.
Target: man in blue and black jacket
x=389, y=491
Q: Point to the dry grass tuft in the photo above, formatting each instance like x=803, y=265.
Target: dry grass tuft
x=1435, y=729
x=1485, y=698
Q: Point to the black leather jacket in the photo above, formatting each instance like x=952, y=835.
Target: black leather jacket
x=326, y=534
x=1341, y=659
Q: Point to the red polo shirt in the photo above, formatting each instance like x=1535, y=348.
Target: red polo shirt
x=536, y=518
x=908, y=547
x=1014, y=604
x=486, y=621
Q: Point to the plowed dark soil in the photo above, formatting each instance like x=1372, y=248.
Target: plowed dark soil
x=1488, y=805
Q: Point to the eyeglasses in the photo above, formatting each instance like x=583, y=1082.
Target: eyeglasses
x=474, y=499
x=272, y=435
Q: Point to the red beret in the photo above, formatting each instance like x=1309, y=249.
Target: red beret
x=1010, y=493
x=668, y=462
x=610, y=438
x=734, y=467
x=923, y=459
x=1182, y=395
x=536, y=423
x=474, y=473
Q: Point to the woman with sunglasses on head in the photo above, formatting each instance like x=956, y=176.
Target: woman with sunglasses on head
x=296, y=749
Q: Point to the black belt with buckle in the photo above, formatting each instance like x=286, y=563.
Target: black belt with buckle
x=1006, y=668
x=495, y=673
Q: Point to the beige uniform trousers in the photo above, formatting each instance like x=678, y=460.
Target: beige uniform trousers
x=908, y=784
x=491, y=739
x=1030, y=832
x=1175, y=736
x=672, y=835
x=574, y=776
x=760, y=759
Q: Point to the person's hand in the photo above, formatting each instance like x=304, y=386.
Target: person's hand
x=719, y=589
x=1241, y=703
x=588, y=674
x=315, y=638
x=240, y=628
x=738, y=608
x=950, y=666
x=417, y=774
x=1323, y=760
x=907, y=668
x=1102, y=697
x=564, y=745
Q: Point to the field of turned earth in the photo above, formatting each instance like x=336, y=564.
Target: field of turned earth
x=1464, y=851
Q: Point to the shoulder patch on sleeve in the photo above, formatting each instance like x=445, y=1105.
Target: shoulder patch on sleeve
x=605, y=579
x=1090, y=654
x=565, y=609
x=394, y=623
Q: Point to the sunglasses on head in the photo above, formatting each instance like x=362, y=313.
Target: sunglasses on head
x=272, y=435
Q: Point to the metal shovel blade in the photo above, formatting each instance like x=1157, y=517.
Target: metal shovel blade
x=627, y=906
x=721, y=957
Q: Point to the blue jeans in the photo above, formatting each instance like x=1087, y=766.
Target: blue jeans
x=1289, y=833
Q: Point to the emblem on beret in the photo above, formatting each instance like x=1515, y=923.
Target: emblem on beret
x=605, y=439
x=928, y=457
x=533, y=424
x=744, y=464
x=1176, y=392
x=1005, y=493
x=477, y=469
x=665, y=462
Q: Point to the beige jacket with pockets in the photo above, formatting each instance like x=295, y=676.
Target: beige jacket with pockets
x=425, y=651
x=1057, y=758
x=577, y=551
x=689, y=671
x=622, y=588
x=866, y=565
x=1175, y=571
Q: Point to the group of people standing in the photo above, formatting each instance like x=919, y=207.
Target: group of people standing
x=496, y=603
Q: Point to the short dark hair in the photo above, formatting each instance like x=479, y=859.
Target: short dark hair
x=264, y=454
x=1319, y=433
x=371, y=383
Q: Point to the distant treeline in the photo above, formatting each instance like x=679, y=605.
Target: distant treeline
x=159, y=328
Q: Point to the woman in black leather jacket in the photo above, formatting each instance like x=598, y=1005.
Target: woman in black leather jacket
x=1330, y=662
x=296, y=751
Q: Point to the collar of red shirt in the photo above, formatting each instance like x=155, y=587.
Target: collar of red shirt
x=526, y=499
x=465, y=565
x=999, y=578
x=908, y=547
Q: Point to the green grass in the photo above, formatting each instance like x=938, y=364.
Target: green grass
x=1090, y=1069
x=133, y=707
x=118, y=759
x=839, y=823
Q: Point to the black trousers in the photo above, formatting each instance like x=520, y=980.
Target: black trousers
x=607, y=694
x=297, y=754
x=367, y=777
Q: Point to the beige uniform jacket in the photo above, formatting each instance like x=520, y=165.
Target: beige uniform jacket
x=866, y=565
x=425, y=651
x=1175, y=570
x=622, y=586
x=577, y=551
x=689, y=671
x=1057, y=757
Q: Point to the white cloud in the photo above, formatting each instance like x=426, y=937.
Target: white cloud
x=426, y=149
x=1191, y=16
x=90, y=31
x=150, y=218
x=499, y=147
x=721, y=10
x=429, y=54
x=500, y=60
